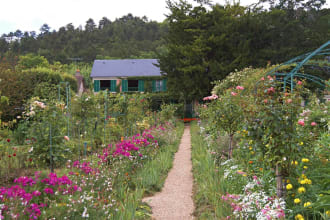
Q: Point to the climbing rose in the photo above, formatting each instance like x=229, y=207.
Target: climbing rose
x=301, y=122
x=313, y=123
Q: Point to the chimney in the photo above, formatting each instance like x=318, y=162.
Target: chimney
x=80, y=82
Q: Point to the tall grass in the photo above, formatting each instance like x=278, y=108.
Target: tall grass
x=209, y=183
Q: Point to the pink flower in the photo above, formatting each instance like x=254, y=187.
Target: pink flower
x=313, y=123
x=271, y=90
x=255, y=177
x=262, y=78
x=288, y=100
x=301, y=122
x=239, y=87
x=299, y=83
x=269, y=77
x=233, y=93
x=66, y=138
x=48, y=191
x=265, y=101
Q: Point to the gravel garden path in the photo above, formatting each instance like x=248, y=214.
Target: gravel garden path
x=175, y=202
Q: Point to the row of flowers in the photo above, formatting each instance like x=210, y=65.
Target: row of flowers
x=84, y=187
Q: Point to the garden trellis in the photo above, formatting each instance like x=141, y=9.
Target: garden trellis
x=305, y=61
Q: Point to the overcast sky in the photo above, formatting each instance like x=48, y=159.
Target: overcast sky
x=30, y=15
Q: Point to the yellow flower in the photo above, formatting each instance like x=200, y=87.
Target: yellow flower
x=288, y=181
x=307, y=204
x=296, y=200
x=267, y=145
x=293, y=194
x=294, y=162
x=321, y=195
x=252, y=152
x=301, y=143
x=301, y=190
x=305, y=167
x=299, y=217
x=302, y=182
x=327, y=212
x=289, y=186
x=305, y=160
x=304, y=176
x=250, y=148
x=251, y=141
x=308, y=181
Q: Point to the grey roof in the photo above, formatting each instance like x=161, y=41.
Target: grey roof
x=125, y=68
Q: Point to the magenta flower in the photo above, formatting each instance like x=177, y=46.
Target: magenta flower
x=48, y=191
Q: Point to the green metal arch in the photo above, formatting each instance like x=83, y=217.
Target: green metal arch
x=300, y=62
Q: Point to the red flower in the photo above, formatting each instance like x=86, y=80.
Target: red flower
x=14, y=154
x=8, y=140
x=9, y=156
x=30, y=159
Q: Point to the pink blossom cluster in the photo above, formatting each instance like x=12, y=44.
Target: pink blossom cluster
x=53, y=180
x=85, y=167
x=212, y=97
x=238, y=88
x=24, y=181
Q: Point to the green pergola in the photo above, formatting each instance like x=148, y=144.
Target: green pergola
x=322, y=60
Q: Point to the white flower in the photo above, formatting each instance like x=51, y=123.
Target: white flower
x=85, y=214
x=31, y=149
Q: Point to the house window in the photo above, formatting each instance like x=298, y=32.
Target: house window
x=133, y=85
x=105, y=84
x=108, y=85
x=159, y=85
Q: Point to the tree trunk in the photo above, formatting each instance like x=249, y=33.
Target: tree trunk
x=279, y=181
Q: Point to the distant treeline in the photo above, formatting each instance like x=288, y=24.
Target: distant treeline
x=126, y=37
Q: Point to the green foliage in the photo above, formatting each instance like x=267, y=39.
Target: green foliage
x=42, y=80
x=30, y=61
x=206, y=45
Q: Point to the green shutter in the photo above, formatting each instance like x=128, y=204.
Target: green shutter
x=141, y=86
x=124, y=85
x=153, y=85
x=96, y=85
x=164, y=89
x=113, y=85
